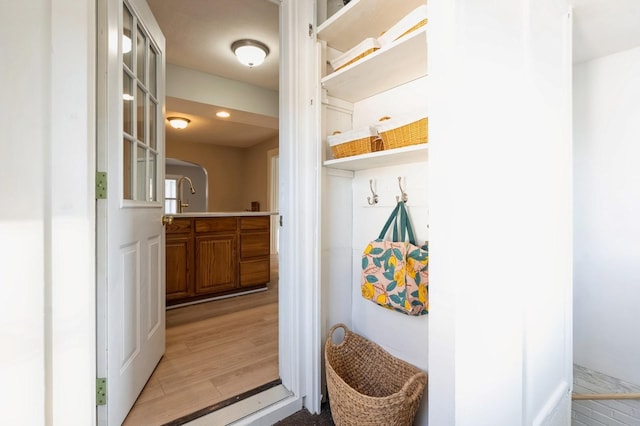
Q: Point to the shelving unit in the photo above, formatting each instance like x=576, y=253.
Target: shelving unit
x=394, y=65
x=401, y=62
x=391, y=81
x=361, y=19
x=393, y=157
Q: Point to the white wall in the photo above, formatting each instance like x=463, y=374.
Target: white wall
x=607, y=208
x=47, y=322
x=186, y=83
x=500, y=213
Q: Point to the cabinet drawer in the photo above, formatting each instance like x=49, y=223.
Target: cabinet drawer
x=260, y=223
x=254, y=272
x=179, y=226
x=220, y=224
x=254, y=245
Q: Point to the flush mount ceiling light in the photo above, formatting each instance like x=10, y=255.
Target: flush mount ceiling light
x=178, y=122
x=223, y=114
x=250, y=52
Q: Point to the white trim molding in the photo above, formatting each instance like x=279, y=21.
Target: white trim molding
x=300, y=205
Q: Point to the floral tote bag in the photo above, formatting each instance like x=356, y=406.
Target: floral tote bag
x=395, y=273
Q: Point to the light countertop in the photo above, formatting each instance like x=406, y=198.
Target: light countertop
x=222, y=214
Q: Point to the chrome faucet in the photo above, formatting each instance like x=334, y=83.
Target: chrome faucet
x=181, y=203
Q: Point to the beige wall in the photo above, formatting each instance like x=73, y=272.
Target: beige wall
x=256, y=183
x=236, y=176
x=225, y=168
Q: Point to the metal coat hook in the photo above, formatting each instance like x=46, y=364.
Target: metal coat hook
x=372, y=200
x=403, y=195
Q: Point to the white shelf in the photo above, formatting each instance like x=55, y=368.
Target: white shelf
x=392, y=157
x=363, y=18
x=401, y=62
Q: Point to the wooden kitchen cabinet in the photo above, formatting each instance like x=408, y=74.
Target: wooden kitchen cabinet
x=255, y=242
x=179, y=260
x=212, y=256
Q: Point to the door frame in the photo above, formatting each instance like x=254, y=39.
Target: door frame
x=70, y=369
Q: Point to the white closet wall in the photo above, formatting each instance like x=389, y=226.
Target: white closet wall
x=607, y=208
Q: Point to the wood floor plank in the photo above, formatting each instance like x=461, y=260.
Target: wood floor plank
x=170, y=407
x=246, y=378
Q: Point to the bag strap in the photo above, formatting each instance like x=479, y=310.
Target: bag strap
x=392, y=218
x=399, y=214
x=405, y=224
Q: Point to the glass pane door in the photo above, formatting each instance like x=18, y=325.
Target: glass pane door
x=140, y=111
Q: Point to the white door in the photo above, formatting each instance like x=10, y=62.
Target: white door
x=131, y=275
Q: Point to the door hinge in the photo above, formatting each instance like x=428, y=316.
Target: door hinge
x=280, y=221
x=310, y=30
x=101, y=391
x=101, y=185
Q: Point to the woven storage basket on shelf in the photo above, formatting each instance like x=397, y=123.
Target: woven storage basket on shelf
x=396, y=133
x=362, y=49
x=414, y=20
x=354, y=142
x=369, y=386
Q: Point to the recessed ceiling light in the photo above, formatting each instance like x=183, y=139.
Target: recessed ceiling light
x=250, y=52
x=223, y=114
x=178, y=122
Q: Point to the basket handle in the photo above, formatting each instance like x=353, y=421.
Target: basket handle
x=334, y=328
x=412, y=387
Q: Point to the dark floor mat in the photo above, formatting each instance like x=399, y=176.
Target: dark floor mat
x=303, y=417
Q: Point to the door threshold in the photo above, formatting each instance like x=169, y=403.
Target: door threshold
x=222, y=404
x=262, y=409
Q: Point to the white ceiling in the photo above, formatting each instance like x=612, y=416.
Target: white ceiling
x=199, y=34
x=603, y=27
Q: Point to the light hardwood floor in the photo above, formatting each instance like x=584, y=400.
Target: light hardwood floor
x=214, y=351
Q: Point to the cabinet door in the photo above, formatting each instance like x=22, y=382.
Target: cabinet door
x=216, y=263
x=254, y=272
x=179, y=259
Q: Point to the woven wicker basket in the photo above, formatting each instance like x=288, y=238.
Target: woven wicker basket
x=369, y=386
x=358, y=57
x=411, y=133
x=411, y=22
x=415, y=27
x=364, y=48
x=356, y=146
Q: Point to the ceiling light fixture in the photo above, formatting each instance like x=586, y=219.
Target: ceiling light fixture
x=223, y=114
x=250, y=52
x=178, y=122
x=126, y=44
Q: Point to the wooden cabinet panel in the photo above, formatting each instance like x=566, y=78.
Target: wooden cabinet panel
x=179, y=258
x=259, y=223
x=218, y=224
x=216, y=263
x=254, y=245
x=209, y=256
x=179, y=226
x=254, y=272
